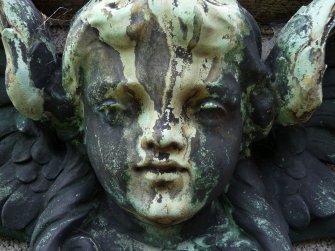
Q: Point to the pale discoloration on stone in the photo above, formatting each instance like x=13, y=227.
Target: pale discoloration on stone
x=299, y=61
x=25, y=29
x=219, y=34
x=25, y=97
x=159, y=120
x=202, y=44
x=137, y=124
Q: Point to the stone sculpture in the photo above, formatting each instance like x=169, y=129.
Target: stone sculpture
x=162, y=129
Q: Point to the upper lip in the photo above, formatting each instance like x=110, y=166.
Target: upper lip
x=161, y=167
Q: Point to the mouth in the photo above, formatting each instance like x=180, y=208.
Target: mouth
x=161, y=167
x=161, y=171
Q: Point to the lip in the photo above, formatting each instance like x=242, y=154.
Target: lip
x=168, y=176
x=161, y=167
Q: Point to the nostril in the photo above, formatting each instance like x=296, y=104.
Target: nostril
x=176, y=146
x=147, y=143
x=159, y=146
x=150, y=145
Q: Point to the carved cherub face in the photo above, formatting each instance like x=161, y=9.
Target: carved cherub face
x=162, y=149
x=162, y=104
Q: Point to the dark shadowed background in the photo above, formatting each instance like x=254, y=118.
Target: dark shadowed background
x=265, y=11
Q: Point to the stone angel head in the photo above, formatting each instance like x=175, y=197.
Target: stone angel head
x=167, y=98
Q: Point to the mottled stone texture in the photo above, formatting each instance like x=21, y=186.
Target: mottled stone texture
x=175, y=104
x=323, y=245
x=12, y=245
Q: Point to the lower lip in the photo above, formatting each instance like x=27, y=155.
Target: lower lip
x=164, y=176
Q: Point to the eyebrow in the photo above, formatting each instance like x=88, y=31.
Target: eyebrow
x=97, y=91
x=229, y=95
x=227, y=88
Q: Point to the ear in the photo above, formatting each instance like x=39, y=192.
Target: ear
x=298, y=61
x=33, y=75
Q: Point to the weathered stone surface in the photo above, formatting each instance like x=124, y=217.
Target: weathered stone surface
x=172, y=103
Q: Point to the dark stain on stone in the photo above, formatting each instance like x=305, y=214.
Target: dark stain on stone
x=184, y=54
x=152, y=56
x=113, y=65
x=113, y=5
x=169, y=116
x=163, y=156
x=42, y=64
x=161, y=125
x=183, y=28
x=205, y=6
x=197, y=23
x=159, y=200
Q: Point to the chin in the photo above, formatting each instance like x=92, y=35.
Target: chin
x=163, y=207
x=169, y=211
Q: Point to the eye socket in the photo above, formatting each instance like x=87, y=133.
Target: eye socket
x=113, y=112
x=210, y=113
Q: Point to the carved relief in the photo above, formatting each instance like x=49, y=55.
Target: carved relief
x=161, y=128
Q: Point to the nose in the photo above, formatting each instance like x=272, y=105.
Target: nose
x=167, y=139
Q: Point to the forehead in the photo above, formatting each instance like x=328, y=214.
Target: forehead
x=180, y=29
x=164, y=44
x=105, y=78
x=207, y=25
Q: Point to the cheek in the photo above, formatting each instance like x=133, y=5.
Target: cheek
x=214, y=155
x=110, y=154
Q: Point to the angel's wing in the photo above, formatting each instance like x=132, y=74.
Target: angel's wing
x=33, y=71
x=35, y=168
x=313, y=204
x=286, y=191
x=45, y=184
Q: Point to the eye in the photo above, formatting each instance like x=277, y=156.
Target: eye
x=113, y=112
x=210, y=113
